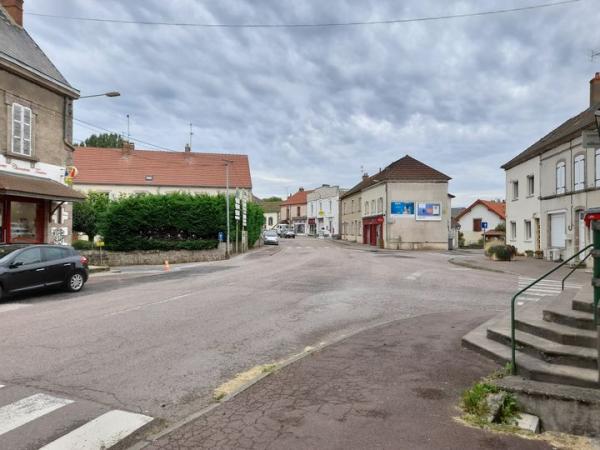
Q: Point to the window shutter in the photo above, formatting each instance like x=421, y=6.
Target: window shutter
x=26, y=148
x=598, y=167
x=17, y=128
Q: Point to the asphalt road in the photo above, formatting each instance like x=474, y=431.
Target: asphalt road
x=159, y=344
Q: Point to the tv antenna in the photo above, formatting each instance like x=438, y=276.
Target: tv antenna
x=594, y=54
x=191, y=134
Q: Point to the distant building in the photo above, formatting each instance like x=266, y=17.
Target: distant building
x=271, y=210
x=551, y=184
x=404, y=206
x=481, y=211
x=36, y=127
x=127, y=171
x=323, y=211
x=293, y=211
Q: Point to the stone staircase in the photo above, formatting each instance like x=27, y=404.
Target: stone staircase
x=556, y=339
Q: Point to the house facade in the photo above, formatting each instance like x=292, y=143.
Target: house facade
x=128, y=171
x=493, y=213
x=324, y=211
x=404, y=206
x=552, y=183
x=36, y=123
x=293, y=211
x=271, y=210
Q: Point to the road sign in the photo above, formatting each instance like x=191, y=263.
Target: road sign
x=484, y=225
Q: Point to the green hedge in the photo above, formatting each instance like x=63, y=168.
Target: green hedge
x=172, y=221
x=502, y=252
x=83, y=245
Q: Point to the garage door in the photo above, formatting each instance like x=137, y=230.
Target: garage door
x=557, y=230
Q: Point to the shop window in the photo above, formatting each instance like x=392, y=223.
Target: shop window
x=579, y=172
x=561, y=177
x=23, y=222
x=21, y=130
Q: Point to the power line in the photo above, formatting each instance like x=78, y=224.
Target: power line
x=308, y=25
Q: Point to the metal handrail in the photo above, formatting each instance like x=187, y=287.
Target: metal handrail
x=574, y=269
x=512, y=305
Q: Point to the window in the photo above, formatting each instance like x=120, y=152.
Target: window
x=561, y=169
x=312, y=209
x=21, y=129
x=598, y=167
x=515, y=186
x=359, y=203
x=373, y=207
x=330, y=206
x=352, y=208
x=297, y=211
x=579, y=172
x=270, y=221
x=530, y=185
x=557, y=230
x=30, y=256
x=380, y=205
x=366, y=208
x=513, y=230
x=528, y=230
x=477, y=225
x=359, y=228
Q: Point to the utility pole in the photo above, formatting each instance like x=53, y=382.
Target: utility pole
x=227, y=244
x=128, y=128
x=191, y=135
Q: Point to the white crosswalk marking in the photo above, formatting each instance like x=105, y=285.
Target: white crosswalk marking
x=102, y=432
x=541, y=289
x=19, y=413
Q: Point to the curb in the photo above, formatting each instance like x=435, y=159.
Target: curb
x=466, y=264
x=280, y=366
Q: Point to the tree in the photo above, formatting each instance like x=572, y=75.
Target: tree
x=105, y=140
x=272, y=199
x=87, y=215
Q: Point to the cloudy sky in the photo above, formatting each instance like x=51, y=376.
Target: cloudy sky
x=313, y=106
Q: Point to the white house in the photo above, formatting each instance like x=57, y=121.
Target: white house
x=323, y=211
x=551, y=184
x=481, y=211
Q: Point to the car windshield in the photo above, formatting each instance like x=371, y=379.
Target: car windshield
x=270, y=233
x=7, y=250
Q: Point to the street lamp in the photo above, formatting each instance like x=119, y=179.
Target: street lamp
x=106, y=94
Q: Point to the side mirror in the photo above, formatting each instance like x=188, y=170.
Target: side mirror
x=14, y=265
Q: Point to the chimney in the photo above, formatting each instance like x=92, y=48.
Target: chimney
x=595, y=90
x=15, y=9
x=365, y=176
x=301, y=189
x=188, y=149
x=128, y=148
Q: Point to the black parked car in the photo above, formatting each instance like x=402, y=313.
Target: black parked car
x=28, y=267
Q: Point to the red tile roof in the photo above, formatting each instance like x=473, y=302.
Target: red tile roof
x=299, y=198
x=111, y=167
x=498, y=208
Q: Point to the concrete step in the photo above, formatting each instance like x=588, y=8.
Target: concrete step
x=529, y=366
x=557, y=332
x=564, y=314
x=584, y=300
x=548, y=351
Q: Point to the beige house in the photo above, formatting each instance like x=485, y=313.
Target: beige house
x=293, y=211
x=404, y=206
x=36, y=123
x=351, y=211
x=472, y=219
x=552, y=183
x=128, y=171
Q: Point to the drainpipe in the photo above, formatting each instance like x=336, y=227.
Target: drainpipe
x=593, y=219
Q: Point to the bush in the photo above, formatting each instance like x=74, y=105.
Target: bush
x=83, y=245
x=501, y=252
x=172, y=221
x=88, y=215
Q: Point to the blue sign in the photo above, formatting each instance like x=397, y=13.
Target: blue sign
x=484, y=225
x=403, y=209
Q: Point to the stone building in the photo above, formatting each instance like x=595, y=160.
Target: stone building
x=36, y=123
x=323, y=211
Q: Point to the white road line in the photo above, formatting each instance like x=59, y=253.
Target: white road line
x=6, y=307
x=414, y=276
x=19, y=413
x=102, y=432
x=160, y=302
x=1, y=386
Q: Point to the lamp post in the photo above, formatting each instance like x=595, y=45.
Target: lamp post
x=227, y=163
x=106, y=94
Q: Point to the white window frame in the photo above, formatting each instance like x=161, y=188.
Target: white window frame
x=515, y=192
x=528, y=230
x=597, y=157
x=23, y=138
x=561, y=177
x=530, y=185
x=579, y=172
x=513, y=231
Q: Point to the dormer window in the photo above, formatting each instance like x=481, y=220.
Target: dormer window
x=21, y=130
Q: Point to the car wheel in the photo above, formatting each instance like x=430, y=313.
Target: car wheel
x=75, y=282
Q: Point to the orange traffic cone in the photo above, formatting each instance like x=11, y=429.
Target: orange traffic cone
x=167, y=267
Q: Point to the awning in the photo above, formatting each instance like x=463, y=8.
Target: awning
x=36, y=187
x=373, y=220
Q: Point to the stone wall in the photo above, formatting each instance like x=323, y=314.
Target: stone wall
x=152, y=257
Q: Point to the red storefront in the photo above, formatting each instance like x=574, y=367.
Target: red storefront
x=27, y=205
x=373, y=231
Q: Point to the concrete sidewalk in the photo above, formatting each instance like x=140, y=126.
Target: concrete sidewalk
x=391, y=387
